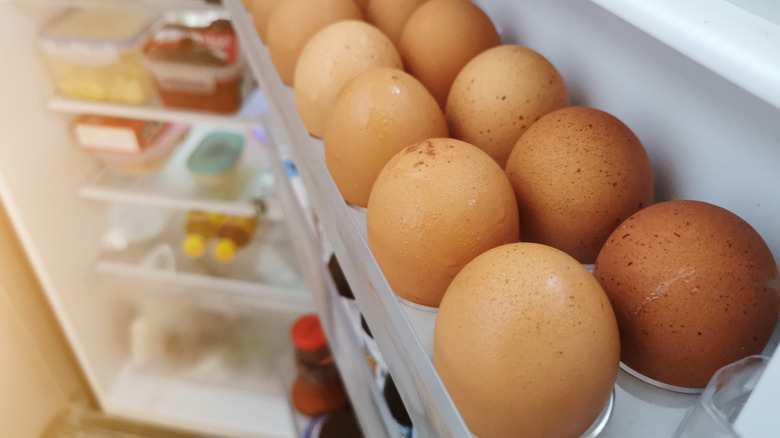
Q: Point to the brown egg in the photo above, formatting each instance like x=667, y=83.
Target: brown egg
x=376, y=115
x=333, y=57
x=526, y=344
x=440, y=38
x=578, y=173
x=499, y=94
x=294, y=22
x=435, y=206
x=390, y=16
x=694, y=288
x=362, y=4
x=261, y=12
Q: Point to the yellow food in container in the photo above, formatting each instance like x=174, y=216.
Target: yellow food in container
x=96, y=54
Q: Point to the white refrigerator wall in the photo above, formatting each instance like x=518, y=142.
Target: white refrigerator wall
x=40, y=174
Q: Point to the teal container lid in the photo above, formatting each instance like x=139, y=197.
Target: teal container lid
x=216, y=153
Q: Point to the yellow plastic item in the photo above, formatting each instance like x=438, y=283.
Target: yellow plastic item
x=235, y=233
x=200, y=227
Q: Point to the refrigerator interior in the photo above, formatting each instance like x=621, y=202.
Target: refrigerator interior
x=192, y=344
x=708, y=126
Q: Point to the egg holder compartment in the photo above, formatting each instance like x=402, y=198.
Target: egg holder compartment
x=658, y=384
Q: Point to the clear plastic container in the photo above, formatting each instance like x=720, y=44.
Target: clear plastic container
x=150, y=159
x=96, y=54
x=214, y=162
x=189, y=73
x=723, y=399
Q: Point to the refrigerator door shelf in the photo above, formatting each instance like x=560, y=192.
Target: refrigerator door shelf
x=693, y=123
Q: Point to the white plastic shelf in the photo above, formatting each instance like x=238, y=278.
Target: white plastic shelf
x=247, y=117
x=229, y=411
x=264, y=273
x=737, y=39
x=429, y=404
x=334, y=313
x=173, y=186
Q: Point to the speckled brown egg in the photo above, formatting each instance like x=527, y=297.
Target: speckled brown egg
x=578, y=173
x=294, y=22
x=435, y=206
x=376, y=115
x=390, y=16
x=261, y=11
x=526, y=344
x=694, y=288
x=362, y=4
x=440, y=38
x=333, y=57
x=499, y=94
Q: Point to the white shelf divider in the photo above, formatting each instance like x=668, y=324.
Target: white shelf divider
x=246, y=118
x=429, y=405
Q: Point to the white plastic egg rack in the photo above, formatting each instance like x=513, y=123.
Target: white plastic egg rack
x=654, y=65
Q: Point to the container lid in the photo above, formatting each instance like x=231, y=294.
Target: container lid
x=103, y=27
x=307, y=333
x=216, y=153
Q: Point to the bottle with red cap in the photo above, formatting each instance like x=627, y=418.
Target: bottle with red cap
x=317, y=388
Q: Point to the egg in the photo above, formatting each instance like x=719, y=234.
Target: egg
x=333, y=57
x=390, y=16
x=362, y=4
x=578, y=173
x=435, y=206
x=261, y=12
x=374, y=116
x=294, y=22
x=499, y=94
x=694, y=288
x=440, y=38
x=526, y=344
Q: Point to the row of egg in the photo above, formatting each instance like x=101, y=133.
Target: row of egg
x=525, y=335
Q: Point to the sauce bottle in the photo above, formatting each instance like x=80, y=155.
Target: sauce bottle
x=317, y=388
x=234, y=233
x=200, y=227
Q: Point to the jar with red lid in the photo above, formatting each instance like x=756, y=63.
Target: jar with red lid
x=317, y=388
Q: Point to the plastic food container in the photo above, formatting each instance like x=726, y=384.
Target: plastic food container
x=150, y=159
x=116, y=134
x=196, y=68
x=96, y=54
x=214, y=162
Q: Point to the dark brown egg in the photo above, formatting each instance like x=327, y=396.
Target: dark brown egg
x=694, y=288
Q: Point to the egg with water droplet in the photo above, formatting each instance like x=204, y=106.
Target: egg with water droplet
x=436, y=205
